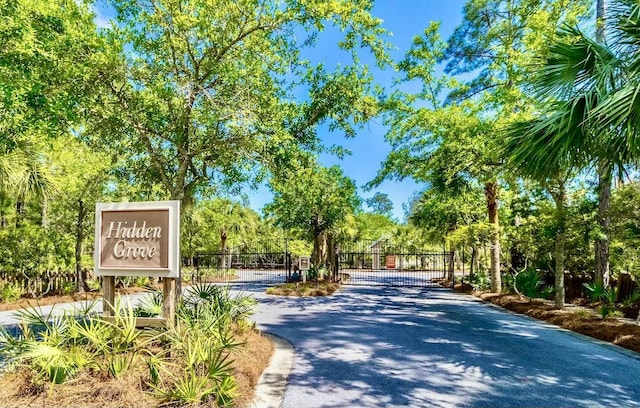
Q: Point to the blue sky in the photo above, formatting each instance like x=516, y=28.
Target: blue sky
x=404, y=19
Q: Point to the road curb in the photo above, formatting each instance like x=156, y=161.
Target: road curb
x=606, y=344
x=273, y=381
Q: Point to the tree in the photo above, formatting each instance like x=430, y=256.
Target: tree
x=82, y=177
x=494, y=45
x=316, y=200
x=380, y=204
x=625, y=231
x=554, y=176
x=221, y=223
x=27, y=175
x=373, y=226
x=204, y=94
x=46, y=59
x=573, y=79
x=583, y=75
x=45, y=62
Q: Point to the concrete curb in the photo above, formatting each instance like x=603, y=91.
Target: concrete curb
x=273, y=381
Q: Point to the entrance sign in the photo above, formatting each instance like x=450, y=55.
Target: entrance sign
x=304, y=263
x=138, y=239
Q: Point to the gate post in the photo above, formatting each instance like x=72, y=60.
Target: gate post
x=287, y=260
x=336, y=263
x=452, y=269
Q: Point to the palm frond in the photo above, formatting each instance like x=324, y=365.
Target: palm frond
x=577, y=64
x=545, y=147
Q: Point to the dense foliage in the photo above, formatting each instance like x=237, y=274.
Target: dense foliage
x=516, y=122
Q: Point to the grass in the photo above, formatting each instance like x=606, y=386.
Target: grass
x=299, y=289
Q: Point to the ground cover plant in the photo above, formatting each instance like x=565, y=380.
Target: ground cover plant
x=211, y=356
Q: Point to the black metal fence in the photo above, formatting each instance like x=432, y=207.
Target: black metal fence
x=240, y=267
x=383, y=264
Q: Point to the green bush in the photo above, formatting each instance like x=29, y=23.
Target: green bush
x=33, y=250
x=68, y=288
x=10, y=292
x=189, y=362
x=93, y=284
x=632, y=299
x=596, y=291
x=606, y=297
x=316, y=273
x=529, y=283
x=480, y=281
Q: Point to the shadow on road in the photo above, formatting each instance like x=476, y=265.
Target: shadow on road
x=429, y=347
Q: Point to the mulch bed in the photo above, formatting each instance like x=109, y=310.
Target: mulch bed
x=622, y=332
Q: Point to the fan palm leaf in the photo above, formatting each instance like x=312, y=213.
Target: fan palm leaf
x=619, y=112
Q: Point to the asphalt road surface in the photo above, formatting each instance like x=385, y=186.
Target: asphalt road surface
x=425, y=347
x=399, y=347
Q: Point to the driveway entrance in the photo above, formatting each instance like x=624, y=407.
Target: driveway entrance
x=384, y=264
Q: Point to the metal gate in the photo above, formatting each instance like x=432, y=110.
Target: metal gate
x=381, y=264
x=255, y=264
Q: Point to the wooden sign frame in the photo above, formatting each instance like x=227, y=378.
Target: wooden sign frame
x=138, y=239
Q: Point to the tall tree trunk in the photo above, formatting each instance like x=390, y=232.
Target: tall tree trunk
x=604, y=222
x=223, y=241
x=318, y=247
x=475, y=261
x=491, y=194
x=331, y=256
x=45, y=211
x=19, y=211
x=79, y=237
x=177, y=193
x=560, y=198
x=223, y=248
x=604, y=182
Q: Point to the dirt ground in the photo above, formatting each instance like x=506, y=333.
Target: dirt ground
x=580, y=319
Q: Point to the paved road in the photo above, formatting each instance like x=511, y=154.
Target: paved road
x=393, y=347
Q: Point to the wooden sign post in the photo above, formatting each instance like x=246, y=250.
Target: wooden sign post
x=138, y=239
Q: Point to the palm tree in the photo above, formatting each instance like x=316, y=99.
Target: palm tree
x=621, y=109
x=576, y=77
x=24, y=174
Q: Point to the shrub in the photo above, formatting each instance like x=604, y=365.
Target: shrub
x=480, y=281
x=10, y=292
x=607, y=298
x=529, y=283
x=93, y=284
x=632, y=299
x=189, y=362
x=68, y=288
x=595, y=291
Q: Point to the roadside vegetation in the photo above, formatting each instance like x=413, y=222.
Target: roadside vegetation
x=521, y=128
x=211, y=356
x=300, y=289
